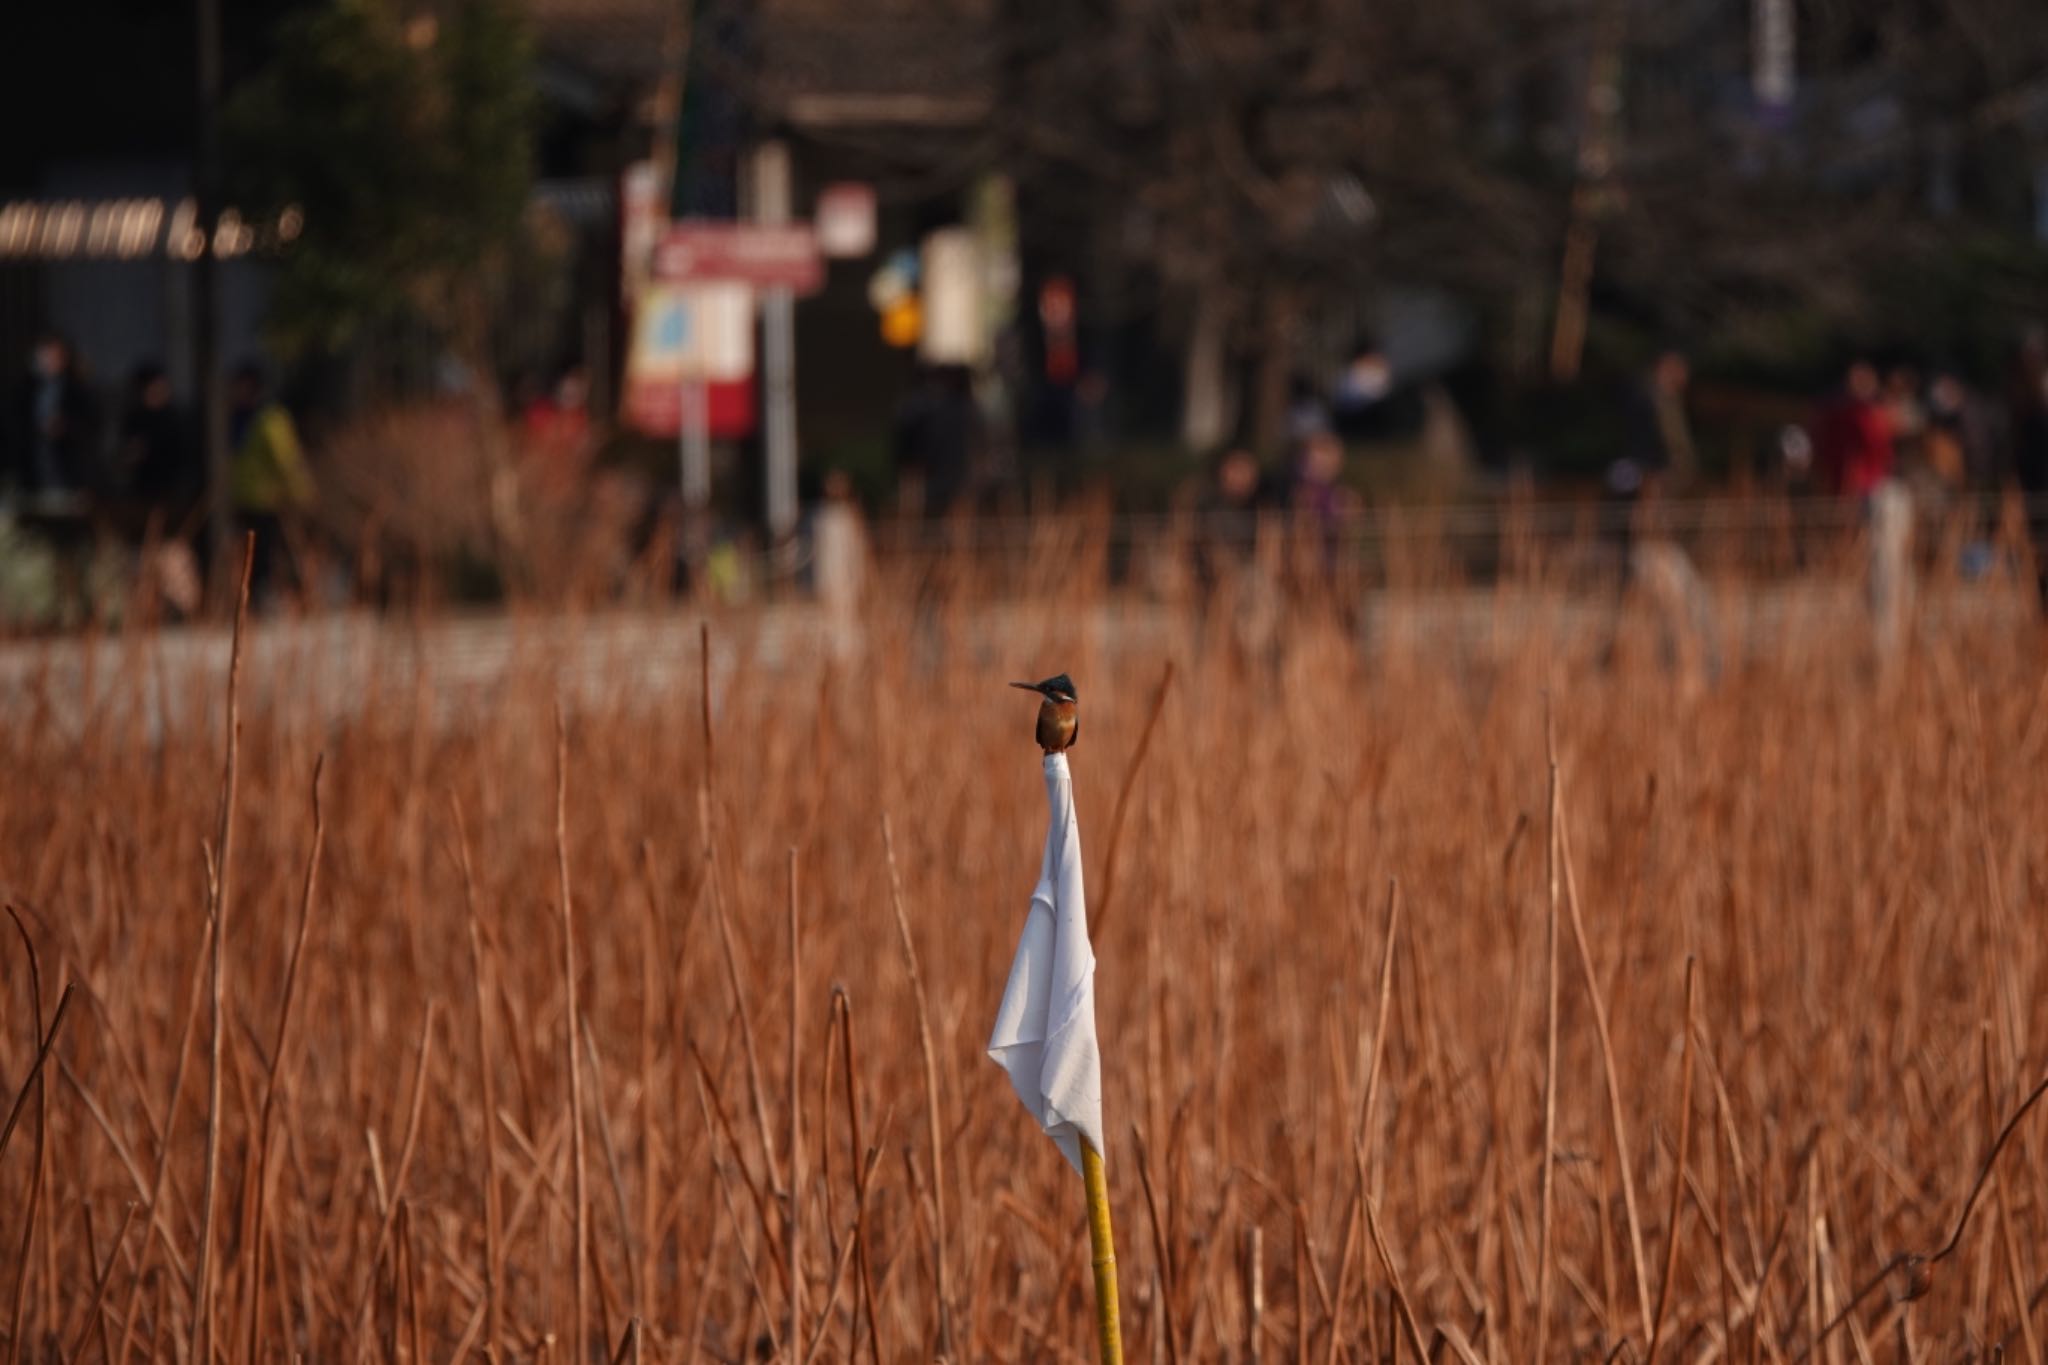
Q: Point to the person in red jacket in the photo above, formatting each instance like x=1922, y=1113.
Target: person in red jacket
x=1853, y=438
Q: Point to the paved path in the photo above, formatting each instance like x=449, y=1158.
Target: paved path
x=344, y=662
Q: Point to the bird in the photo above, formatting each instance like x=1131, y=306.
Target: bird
x=1059, y=716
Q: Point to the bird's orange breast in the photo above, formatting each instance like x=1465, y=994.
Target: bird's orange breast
x=1057, y=721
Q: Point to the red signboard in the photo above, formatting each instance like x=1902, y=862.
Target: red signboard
x=657, y=409
x=784, y=256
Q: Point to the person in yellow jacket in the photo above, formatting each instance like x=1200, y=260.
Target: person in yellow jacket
x=268, y=480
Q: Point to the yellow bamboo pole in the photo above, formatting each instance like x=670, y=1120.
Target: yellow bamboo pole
x=1105, y=1256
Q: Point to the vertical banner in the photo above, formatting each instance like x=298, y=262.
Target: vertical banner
x=952, y=302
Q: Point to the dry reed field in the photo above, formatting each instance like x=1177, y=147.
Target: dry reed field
x=655, y=1031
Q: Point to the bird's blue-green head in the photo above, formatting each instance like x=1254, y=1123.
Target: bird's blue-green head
x=1059, y=687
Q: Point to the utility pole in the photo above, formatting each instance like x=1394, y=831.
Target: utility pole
x=778, y=343
x=213, y=416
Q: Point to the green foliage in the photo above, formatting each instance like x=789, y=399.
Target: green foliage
x=408, y=151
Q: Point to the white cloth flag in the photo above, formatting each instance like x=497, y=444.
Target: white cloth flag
x=1045, y=1029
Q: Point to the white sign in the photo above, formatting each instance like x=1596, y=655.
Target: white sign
x=693, y=333
x=846, y=220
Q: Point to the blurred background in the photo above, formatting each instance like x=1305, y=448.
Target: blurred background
x=564, y=299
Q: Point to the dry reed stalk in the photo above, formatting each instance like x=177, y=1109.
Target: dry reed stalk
x=845, y=1256
x=1123, y=799
x=931, y=1092
x=410, y=1251
x=747, y=1259
x=566, y=908
x=423, y=1055
x=1407, y=1311
x=1615, y=1121
x=755, y=1090
x=1344, y=1259
x=634, y=1287
x=842, y=1014
x=1678, y=1177
x=1379, y=1029
x=32, y=1084
x=770, y=1226
x=252, y=1335
x=217, y=916
x=1254, y=1291
x=1548, y=1172
x=1161, y=1253
x=792, y=1242
x=494, y=1240
x=2015, y=1277
x=1303, y=1262
x=704, y=1286
x=95, y=1320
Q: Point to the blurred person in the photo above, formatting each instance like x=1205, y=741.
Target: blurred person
x=1658, y=450
x=1852, y=436
x=1322, y=503
x=1958, y=445
x=53, y=425
x=938, y=436
x=157, y=454
x=1660, y=445
x=161, y=478
x=1854, y=447
x=1307, y=414
x=1906, y=414
x=839, y=560
x=556, y=428
x=268, y=481
x=1227, y=517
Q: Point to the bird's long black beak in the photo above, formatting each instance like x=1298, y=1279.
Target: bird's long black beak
x=1028, y=687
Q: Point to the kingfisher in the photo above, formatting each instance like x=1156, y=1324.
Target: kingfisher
x=1059, y=715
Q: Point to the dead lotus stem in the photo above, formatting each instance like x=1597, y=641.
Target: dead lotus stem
x=32, y=1085
x=842, y=1013
x=931, y=1091
x=1548, y=1172
x=579, y=1169
x=494, y=1239
x=1614, y=1116
x=1678, y=1177
x=620, y=1205
x=1379, y=1243
x=217, y=914
x=423, y=1056
x=1123, y=800
x=279, y=1051
x=794, y=1217
x=755, y=1089
x=1160, y=1252
x=94, y=1319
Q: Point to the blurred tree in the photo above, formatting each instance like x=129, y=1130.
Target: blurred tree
x=1261, y=165
x=405, y=144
